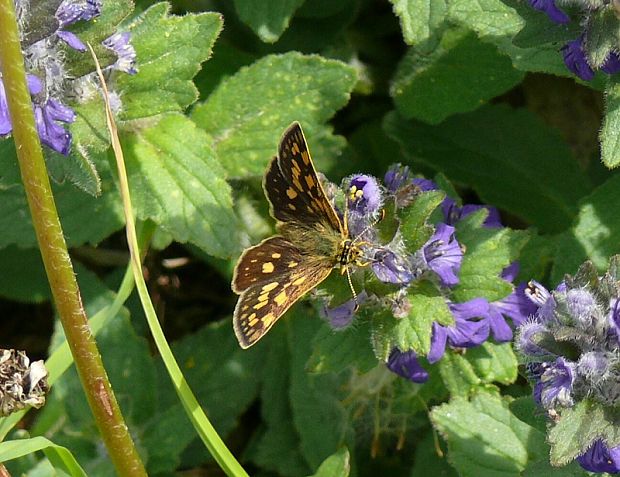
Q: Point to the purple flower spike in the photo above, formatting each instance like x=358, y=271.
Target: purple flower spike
x=471, y=328
x=557, y=384
x=443, y=254
x=50, y=132
x=576, y=61
x=581, y=306
x=407, y=366
x=600, y=458
x=119, y=44
x=396, y=177
x=549, y=7
x=364, y=194
x=392, y=268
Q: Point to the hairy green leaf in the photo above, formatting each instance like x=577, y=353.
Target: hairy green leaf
x=267, y=19
x=419, y=19
x=459, y=75
x=484, y=438
x=164, y=80
x=248, y=112
x=177, y=181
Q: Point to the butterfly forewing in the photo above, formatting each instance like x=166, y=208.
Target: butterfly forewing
x=262, y=302
x=304, y=195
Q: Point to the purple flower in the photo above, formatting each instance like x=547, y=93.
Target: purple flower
x=443, y=254
x=594, y=365
x=390, y=267
x=549, y=7
x=575, y=59
x=341, y=316
x=119, y=44
x=614, y=318
x=516, y=306
x=471, y=328
x=51, y=133
x=541, y=297
x=396, y=177
x=612, y=64
x=453, y=213
x=600, y=458
x=407, y=366
x=581, y=305
x=72, y=11
x=530, y=334
x=46, y=116
x=424, y=184
x=364, y=194
x=557, y=384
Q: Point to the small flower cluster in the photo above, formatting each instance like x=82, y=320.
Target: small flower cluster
x=575, y=52
x=21, y=383
x=571, y=347
x=438, y=260
x=49, y=83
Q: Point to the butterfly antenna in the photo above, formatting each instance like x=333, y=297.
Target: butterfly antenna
x=371, y=225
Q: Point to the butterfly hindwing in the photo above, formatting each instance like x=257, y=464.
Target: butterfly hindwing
x=272, y=257
x=262, y=303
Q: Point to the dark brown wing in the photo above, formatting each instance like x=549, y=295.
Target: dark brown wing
x=272, y=257
x=293, y=188
x=265, y=300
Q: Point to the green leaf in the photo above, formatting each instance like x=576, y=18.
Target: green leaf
x=414, y=229
x=308, y=89
x=602, y=36
x=458, y=374
x=533, y=173
x=176, y=181
x=336, y=465
x=267, y=19
x=419, y=19
x=594, y=234
x=489, y=251
x=542, y=468
x=427, y=461
x=59, y=456
x=170, y=50
x=579, y=427
x=335, y=351
x=538, y=30
x=494, y=362
x=610, y=132
x=484, y=438
x=498, y=21
x=23, y=277
x=278, y=448
x=318, y=413
x=76, y=209
x=224, y=380
x=411, y=332
x=459, y=75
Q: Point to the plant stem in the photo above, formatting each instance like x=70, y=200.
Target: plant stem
x=55, y=255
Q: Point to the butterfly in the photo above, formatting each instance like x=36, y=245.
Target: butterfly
x=271, y=276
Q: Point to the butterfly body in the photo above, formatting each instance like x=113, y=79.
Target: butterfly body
x=271, y=276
